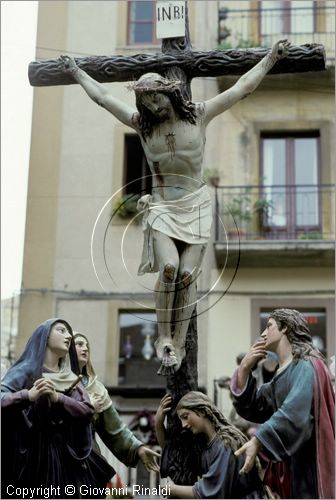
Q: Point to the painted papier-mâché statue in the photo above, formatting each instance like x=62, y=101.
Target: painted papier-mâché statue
x=177, y=215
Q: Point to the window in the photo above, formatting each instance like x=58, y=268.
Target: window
x=290, y=173
x=138, y=363
x=141, y=22
x=316, y=319
x=137, y=175
x=271, y=18
x=302, y=16
x=279, y=17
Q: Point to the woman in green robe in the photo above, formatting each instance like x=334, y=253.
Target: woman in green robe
x=106, y=421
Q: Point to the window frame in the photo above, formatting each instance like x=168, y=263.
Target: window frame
x=128, y=170
x=153, y=362
x=286, y=20
x=291, y=227
x=130, y=22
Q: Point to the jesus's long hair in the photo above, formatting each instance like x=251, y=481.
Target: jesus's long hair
x=154, y=83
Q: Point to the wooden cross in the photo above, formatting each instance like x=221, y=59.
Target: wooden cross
x=178, y=61
x=176, y=53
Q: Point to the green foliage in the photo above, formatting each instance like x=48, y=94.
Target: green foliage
x=224, y=46
x=125, y=206
x=239, y=207
x=313, y=235
x=263, y=206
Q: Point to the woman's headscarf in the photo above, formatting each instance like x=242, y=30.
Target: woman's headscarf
x=202, y=406
x=94, y=388
x=29, y=366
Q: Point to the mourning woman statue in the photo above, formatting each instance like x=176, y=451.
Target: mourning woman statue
x=46, y=413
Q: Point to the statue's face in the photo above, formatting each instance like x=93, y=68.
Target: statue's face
x=191, y=421
x=272, y=335
x=158, y=104
x=82, y=349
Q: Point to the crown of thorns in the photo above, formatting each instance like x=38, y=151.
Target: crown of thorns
x=154, y=85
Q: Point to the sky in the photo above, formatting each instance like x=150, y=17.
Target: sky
x=18, y=41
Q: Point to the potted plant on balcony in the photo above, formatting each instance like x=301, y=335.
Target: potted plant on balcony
x=263, y=207
x=239, y=213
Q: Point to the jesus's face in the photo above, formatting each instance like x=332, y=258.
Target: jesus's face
x=158, y=104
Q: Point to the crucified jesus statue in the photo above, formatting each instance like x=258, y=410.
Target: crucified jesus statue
x=177, y=215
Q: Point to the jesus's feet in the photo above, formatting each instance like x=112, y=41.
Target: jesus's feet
x=171, y=359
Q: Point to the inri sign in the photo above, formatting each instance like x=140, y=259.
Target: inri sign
x=170, y=19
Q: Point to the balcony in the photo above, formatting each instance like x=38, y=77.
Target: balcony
x=299, y=21
x=275, y=225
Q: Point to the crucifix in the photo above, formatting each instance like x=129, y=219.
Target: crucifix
x=177, y=214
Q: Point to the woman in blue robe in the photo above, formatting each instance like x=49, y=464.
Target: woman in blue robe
x=46, y=413
x=219, y=440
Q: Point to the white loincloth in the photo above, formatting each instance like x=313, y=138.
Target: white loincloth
x=187, y=219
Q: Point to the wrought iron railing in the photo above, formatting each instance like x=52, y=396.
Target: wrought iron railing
x=262, y=27
x=275, y=212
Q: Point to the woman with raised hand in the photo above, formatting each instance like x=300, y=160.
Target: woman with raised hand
x=46, y=414
x=106, y=420
x=219, y=440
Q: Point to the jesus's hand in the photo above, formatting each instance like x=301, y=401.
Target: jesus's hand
x=280, y=49
x=69, y=64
